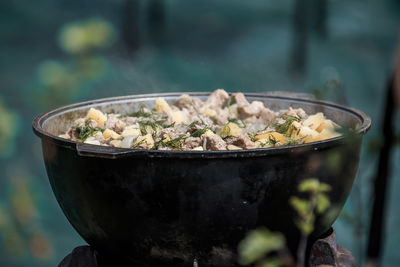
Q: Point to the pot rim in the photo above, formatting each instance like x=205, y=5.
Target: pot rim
x=113, y=152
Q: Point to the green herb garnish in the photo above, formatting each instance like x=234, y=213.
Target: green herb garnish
x=140, y=113
x=139, y=143
x=286, y=127
x=175, y=143
x=86, y=131
x=272, y=140
x=292, y=142
x=252, y=137
x=168, y=125
x=143, y=126
x=200, y=132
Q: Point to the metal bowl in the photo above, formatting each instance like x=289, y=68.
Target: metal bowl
x=167, y=208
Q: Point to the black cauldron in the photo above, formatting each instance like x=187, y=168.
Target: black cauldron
x=168, y=208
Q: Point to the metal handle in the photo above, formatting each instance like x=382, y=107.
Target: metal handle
x=87, y=150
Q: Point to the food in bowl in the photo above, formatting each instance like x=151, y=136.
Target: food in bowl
x=222, y=122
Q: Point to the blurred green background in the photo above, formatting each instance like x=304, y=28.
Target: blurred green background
x=59, y=52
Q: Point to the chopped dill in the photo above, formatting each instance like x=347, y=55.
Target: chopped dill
x=86, y=131
x=286, y=127
x=143, y=126
x=200, y=132
x=193, y=124
x=264, y=143
x=168, y=125
x=272, y=140
x=140, y=113
x=292, y=142
x=136, y=145
x=175, y=143
x=252, y=137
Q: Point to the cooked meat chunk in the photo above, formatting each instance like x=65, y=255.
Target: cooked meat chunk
x=267, y=115
x=214, y=142
x=114, y=123
x=80, y=122
x=299, y=112
x=217, y=99
x=129, y=120
x=253, y=120
x=240, y=100
x=184, y=101
x=244, y=142
x=222, y=117
x=253, y=109
x=73, y=133
x=192, y=142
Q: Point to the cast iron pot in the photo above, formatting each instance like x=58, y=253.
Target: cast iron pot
x=168, y=208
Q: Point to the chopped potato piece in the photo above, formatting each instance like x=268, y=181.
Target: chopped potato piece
x=127, y=142
x=98, y=116
x=233, y=147
x=296, y=125
x=162, y=105
x=231, y=129
x=92, y=141
x=110, y=134
x=66, y=136
x=326, y=134
x=210, y=112
x=130, y=132
x=133, y=126
x=166, y=138
x=326, y=124
x=308, y=134
x=147, y=139
x=199, y=148
x=271, y=135
x=116, y=143
x=209, y=132
x=314, y=121
x=233, y=111
x=178, y=117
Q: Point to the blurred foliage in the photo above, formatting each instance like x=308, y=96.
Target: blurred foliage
x=262, y=247
x=259, y=243
x=83, y=37
x=317, y=202
x=20, y=233
x=60, y=82
x=8, y=133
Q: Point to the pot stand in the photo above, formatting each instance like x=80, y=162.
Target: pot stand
x=324, y=252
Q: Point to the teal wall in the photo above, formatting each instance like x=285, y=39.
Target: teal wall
x=233, y=44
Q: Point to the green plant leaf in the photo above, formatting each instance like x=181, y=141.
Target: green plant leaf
x=313, y=185
x=302, y=206
x=257, y=244
x=322, y=202
x=270, y=262
x=306, y=226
